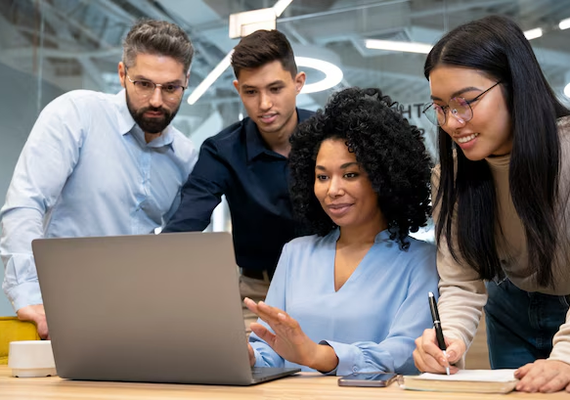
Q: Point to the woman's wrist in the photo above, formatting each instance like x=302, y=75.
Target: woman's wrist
x=324, y=358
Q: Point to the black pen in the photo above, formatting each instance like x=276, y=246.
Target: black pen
x=437, y=326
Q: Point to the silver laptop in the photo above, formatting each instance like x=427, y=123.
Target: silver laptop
x=149, y=308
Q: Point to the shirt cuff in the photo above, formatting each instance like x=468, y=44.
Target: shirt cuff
x=259, y=361
x=347, y=358
x=25, y=294
x=560, y=351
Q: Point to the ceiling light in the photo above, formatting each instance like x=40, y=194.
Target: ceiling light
x=211, y=78
x=533, y=33
x=567, y=91
x=564, y=24
x=280, y=6
x=410, y=47
x=333, y=74
x=318, y=58
x=244, y=23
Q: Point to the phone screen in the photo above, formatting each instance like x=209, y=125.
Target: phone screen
x=376, y=379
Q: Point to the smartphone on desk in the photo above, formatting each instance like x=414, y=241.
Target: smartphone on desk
x=368, y=379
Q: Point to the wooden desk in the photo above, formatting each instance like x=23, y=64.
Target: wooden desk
x=303, y=386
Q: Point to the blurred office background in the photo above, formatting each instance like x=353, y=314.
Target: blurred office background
x=48, y=47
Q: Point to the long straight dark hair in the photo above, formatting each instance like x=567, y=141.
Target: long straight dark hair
x=497, y=47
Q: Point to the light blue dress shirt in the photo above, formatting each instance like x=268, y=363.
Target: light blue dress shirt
x=371, y=322
x=86, y=170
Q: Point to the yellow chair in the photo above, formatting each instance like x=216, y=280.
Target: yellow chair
x=12, y=329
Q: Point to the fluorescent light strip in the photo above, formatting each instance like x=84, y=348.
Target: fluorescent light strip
x=564, y=24
x=280, y=6
x=533, y=33
x=391, y=45
x=333, y=74
x=210, y=79
x=567, y=91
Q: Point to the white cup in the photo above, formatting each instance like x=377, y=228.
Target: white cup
x=31, y=358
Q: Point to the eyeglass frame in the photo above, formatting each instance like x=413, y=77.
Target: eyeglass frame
x=467, y=102
x=160, y=85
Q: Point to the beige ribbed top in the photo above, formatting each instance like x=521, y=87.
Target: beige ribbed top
x=463, y=294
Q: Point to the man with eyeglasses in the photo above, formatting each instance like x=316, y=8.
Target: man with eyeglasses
x=97, y=164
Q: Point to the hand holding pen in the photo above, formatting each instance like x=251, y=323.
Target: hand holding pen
x=435, y=353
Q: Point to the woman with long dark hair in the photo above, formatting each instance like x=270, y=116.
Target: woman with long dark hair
x=501, y=210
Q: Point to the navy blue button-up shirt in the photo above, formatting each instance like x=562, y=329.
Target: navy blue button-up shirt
x=237, y=163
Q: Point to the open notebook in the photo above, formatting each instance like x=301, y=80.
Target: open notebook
x=472, y=381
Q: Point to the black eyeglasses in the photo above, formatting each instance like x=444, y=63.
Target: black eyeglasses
x=170, y=91
x=459, y=107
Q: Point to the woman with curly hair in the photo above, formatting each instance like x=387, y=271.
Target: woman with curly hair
x=353, y=296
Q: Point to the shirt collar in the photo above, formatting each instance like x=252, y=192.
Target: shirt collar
x=128, y=125
x=254, y=142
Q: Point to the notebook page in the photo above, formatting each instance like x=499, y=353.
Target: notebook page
x=473, y=375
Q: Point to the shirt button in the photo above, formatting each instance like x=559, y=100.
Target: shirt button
x=354, y=369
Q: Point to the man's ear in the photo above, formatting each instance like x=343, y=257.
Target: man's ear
x=122, y=73
x=236, y=85
x=300, y=81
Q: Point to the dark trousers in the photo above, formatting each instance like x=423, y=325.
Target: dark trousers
x=520, y=324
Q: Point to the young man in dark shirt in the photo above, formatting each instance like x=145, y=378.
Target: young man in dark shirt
x=247, y=162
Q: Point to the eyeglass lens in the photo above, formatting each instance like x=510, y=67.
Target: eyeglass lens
x=458, y=107
x=169, y=92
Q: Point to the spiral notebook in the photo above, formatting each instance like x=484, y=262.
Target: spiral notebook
x=470, y=381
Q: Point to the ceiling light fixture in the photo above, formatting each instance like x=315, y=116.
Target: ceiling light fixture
x=280, y=6
x=391, y=45
x=333, y=74
x=321, y=59
x=533, y=33
x=564, y=24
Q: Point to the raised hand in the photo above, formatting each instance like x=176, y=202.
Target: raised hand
x=289, y=340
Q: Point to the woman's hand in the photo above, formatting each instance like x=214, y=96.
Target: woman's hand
x=544, y=376
x=251, y=355
x=289, y=340
x=428, y=357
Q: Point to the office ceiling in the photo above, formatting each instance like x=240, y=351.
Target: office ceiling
x=77, y=43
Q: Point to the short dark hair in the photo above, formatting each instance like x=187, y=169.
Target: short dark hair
x=386, y=146
x=262, y=47
x=158, y=37
x=496, y=46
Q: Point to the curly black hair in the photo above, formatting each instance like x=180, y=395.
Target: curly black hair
x=387, y=147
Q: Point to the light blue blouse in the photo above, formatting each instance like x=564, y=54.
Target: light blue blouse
x=372, y=320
